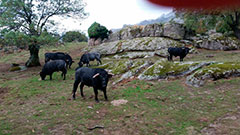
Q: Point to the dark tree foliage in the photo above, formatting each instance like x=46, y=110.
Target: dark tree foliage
x=71, y=36
x=98, y=31
x=222, y=21
x=33, y=16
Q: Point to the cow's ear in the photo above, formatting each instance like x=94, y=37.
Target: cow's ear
x=110, y=75
x=95, y=75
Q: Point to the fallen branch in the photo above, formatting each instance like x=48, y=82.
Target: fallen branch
x=95, y=127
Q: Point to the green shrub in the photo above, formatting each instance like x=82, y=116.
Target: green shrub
x=15, y=39
x=19, y=39
x=97, y=31
x=47, y=39
x=71, y=36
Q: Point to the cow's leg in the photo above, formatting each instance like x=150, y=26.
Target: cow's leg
x=170, y=57
x=96, y=94
x=99, y=61
x=105, y=93
x=181, y=58
x=50, y=76
x=81, y=89
x=64, y=72
x=75, y=85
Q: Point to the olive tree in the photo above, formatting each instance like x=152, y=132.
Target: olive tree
x=34, y=16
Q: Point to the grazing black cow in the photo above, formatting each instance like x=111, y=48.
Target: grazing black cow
x=87, y=57
x=54, y=66
x=178, y=51
x=59, y=56
x=96, y=78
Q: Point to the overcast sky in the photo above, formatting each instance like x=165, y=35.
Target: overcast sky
x=115, y=13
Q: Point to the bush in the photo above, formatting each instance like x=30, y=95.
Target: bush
x=71, y=36
x=15, y=39
x=19, y=39
x=97, y=31
x=47, y=39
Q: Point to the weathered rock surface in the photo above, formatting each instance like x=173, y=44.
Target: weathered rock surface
x=173, y=30
x=216, y=41
x=119, y=102
x=197, y=72
x=157, y=45
x=213, y=72
x=163, y=69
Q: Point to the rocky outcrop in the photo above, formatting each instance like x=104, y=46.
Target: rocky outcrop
x=213, y=72
x=152, y=30
x=173, y=31
x=170, y=30
x=216, y=41
x=150, y=45
x=93, y=41
x=163, y=69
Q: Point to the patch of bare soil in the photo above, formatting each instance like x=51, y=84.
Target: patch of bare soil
x=3, y=91
x=76, y=54
x=228, y=124
x=4, y=67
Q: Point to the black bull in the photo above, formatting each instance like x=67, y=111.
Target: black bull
x=178, y=51
x=96, y=78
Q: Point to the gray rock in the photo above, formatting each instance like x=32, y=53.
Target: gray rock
x=163, y=69
x=216, y=41
x=214, y=71
x=173, y=30
x=156, y=45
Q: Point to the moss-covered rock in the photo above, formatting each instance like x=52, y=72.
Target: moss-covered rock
x=135, y=69
x=15, y=68
x=164, y=68
x=217, y=41
x=214, y=72
x=117, y=67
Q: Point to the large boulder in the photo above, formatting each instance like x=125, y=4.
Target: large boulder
x=158, y=45
x=131, y=32
x=214, y=72
x=93, y=41
x=162, y=69
x=173, y=31
x=152, y=30
x=217, y=41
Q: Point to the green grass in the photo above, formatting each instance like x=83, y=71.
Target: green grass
x=163, y=107
x=24, y=55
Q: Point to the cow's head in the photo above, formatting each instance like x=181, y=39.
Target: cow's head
x=187, y=50
x=70, y=63
x=80, y=64
x=103, y=78
x=43, y=76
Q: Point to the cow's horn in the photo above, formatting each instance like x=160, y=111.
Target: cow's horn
x=111, y=74
x=95, y=75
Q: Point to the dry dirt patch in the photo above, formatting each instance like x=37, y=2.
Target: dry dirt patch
x=3, y=91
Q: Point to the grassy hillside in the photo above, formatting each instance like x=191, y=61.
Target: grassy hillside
x=30, y=106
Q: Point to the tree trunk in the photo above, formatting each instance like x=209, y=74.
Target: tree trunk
x=34, y=58
x=236, y=31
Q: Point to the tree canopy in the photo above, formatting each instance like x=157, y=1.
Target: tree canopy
x=33, y=16
x=223, y=21
x=71, y=36
x=98, y=31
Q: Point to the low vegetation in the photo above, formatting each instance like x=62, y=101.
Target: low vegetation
x=30, y=106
